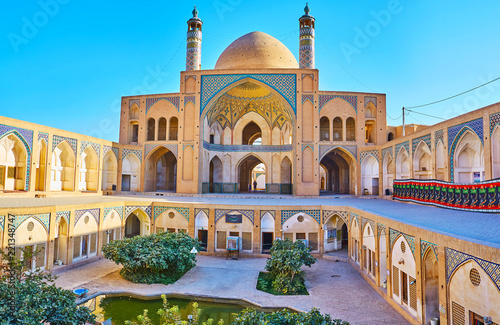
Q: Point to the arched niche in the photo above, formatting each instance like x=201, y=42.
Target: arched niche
x=440, y=161
x=468, y=159
x=172, y=221
x=63, y=168
x=369, y=256
x=267, y=232
x=243, y=229
x=388, y=172
x=13, y=163
x=370, y=175
x=404, y=275
x=137, y=223
x=85, y=237
x=89, y=170
x=336, y=234
x=41, y=166
x=402, y=164
x=302, y=226
x=131, y=173
x=422, y=162
x=109, y=171
x=201, y=228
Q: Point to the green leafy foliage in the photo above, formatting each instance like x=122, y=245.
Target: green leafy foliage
x=285, y=264
x=285, y=317
x=265, y=283
x=157, y=258
x=30, y=297
x=172, y=315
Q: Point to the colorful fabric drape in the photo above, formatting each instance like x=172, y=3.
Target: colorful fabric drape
x=481, y=197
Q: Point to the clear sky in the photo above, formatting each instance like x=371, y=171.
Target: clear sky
x=66, y=63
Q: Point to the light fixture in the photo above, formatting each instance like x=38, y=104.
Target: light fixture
x=401, y=261
x=194, y=250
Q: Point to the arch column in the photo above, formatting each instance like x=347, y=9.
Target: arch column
x=488, y=165
x=211, y=231
x=256, y=232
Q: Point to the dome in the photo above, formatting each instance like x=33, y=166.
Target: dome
x=256, y=50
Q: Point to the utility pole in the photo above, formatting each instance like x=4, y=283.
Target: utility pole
x=403, y=121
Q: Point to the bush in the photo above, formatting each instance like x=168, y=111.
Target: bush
x=265, y=283
x=285, y=264
x=285, y=317
x=157, y=258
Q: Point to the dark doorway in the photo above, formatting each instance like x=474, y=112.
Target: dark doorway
x=203, y=237
x=215, y=175
x=345, y=237
x=126, y=183
x=132, y=226
x=267, y=241
x=245, y=169
x=337, y=165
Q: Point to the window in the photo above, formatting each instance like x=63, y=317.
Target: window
x=350, y=129
x=172, y=133
x=212, y=138
x=135, y=133
x=404, y=287
x=246, y=241
x=159, y=229
x=162, y=129
x=324, y=129
x=151, y=130
x=337, y=129
x=300, y=235
x=221, y=240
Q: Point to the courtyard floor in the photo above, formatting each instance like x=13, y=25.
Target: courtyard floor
x=334, y=287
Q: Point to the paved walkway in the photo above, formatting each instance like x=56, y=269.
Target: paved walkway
x=334, y=287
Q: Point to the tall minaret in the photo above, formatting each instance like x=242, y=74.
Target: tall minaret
x=306, y=48
x=193, y=52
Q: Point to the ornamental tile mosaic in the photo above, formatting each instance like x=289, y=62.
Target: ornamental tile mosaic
x=454, y=135
x=134, y=101
x=438, y=136
x=455, y=132
x=271, y=212
x=284, y=84
x=370, y=99
x=97, y=147
x=311, y=146
x=56, y=139
x=455, y=258
x=174, y=100
x=43, y=218
x=381, y=228
x=198, y=210
x=405, y=145
x=132, y=208
x=2, y=222
x=494, y=121
x=353, y=216
x=246, y=148
x=26, y=137
x=43, y=135
x=353, y=100
x=364, y=221
x=424, y=245
x=188, y=99
x=286, y=214
x=324, y=149
x=157, y=210
x=106, y=149
x=63, y=214
x=364, y=154
x=414, y=142
x=344, y=215
x=309, y=98
x=118, y=210
x=95, y=212
x=137, y=153
x=394, y=234
x=219, y=213
x=170, y=146
x=389, y=151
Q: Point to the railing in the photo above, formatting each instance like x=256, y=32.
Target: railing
x=482, y=196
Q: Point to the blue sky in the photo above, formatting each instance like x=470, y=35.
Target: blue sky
x=66, y=63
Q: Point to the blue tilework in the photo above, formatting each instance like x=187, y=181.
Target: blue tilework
x=95, y=212
x=326, y=148
x=198, y=210
x=43, y=218
x=219, y=213
x=438, y=136
x=352, y=100
x=424, y=245
x=174, y=100
x=309, y=98
x=271, y=212
x=364, y=221
x=56, y=139
x=170, y=146
x=370, y=99
x=381, y=228
x=389, y=151
x=137, y=153
x=130, y=209
x=245, y=148
x=494, y=121
x=414, y=142
x=311, y=146
x=351, y=217
x=2, y=222
x=118, y=210
x=134, y=101
x=63, y=214
x=43, y=135
x=394, y=234
x=284, y=84
x=26, y=137
x=344, y=215
x=157, y=210
x=188, y=99
x=286, y=214
x=364, y=154
x=95, y=146
x=455, y=258
x=405, y=145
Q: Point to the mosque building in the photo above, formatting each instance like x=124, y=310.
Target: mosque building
x=259, y=124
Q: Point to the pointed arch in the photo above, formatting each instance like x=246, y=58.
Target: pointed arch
x=370, y=174
x=161, y=170
x=109, y=171
x=137, y=223
x=245, y=167
x=15, y=157
x=41, y=166
x=495, y=152
x=440, y=161
x=63, y=168
x=131, y=173
x=388, y=169
x=89, y=167
x=402, y=164
x=468, y=157
x=215, y=175
x=422, y=162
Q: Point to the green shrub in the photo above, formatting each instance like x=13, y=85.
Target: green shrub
x=285, y=264
x=284, y=317
x=157, y=258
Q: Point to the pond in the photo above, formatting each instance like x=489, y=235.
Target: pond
x=115, y=310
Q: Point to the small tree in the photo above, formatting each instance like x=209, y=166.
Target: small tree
x=30, y=297
x=157, y=258
x=286, y=260
x=285, y=317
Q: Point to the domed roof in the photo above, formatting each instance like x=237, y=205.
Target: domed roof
x=256, y=50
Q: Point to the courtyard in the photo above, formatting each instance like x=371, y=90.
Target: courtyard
x=334, y=287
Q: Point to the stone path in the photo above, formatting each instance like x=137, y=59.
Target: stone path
x=347, y=297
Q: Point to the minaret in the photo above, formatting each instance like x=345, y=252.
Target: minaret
x=193, y=51
x=306, y=48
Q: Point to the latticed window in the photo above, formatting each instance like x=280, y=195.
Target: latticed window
x=395, y=280
x=413, y=293
x=457, y=314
